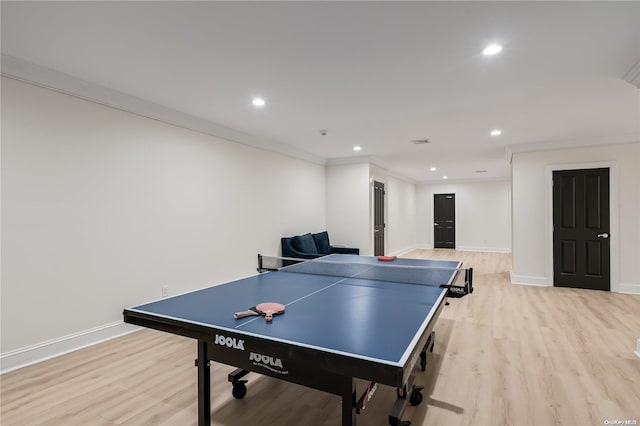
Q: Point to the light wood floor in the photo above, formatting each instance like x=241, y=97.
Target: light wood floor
x=506, y=355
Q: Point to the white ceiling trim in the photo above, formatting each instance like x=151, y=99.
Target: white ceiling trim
x=567, y=144
x=402, y=177
x=441, y=181
x=31, y=73
x=357, y=160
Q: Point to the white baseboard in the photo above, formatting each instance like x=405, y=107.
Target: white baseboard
x=485, y=249
x=628, y=288
x=546, y=282
x=32, y=354
x=421, y=247
x=406, y=250
x=461, y=248
x=526, y=280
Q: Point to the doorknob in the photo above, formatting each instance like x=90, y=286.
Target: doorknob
x=603, y=235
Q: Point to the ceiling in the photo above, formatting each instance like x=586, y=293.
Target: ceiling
x=375, y=74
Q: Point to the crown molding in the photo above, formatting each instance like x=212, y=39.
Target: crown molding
x=555, y=145
x=47, y=78
x=402, y=177
x=357, y=160
x=371, y=160
x=456, y=181
x=28, y=72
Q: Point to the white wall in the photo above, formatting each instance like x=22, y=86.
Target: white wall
x=532, y=211
x=482, y=215
x=348, y=206
x=101, y=208
x=401, y=216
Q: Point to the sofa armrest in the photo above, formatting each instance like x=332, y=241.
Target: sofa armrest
x=289, y=251
x=300, y=255
x=345, y=250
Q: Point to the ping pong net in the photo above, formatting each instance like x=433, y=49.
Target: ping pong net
x=457, y=280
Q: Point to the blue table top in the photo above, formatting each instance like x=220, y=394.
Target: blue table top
x=363, y=317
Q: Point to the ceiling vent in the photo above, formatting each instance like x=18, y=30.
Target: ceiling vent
x=421, y=141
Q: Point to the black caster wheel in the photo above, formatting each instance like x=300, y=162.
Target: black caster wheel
x=416, y=396
x=239, y=391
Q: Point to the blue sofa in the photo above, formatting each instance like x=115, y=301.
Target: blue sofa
x=310, y=246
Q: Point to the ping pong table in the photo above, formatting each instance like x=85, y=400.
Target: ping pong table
x=346, y=317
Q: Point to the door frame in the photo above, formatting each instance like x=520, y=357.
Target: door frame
x=614, y=272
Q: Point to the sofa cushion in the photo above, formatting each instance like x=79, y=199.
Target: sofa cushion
x=322, y=242
x=304, y=244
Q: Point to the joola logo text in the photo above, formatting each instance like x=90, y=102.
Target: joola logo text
x=268, y=362
x=230, y=342
x=265, y=359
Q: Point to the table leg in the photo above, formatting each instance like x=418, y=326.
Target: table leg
x=204, y=384
x=349, y=403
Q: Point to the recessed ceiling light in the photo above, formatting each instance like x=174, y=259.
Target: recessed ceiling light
x=492, y=49
x=357, y=148
x=433, y=169
x=496, y=132
x=258, y=102
x=445, y=177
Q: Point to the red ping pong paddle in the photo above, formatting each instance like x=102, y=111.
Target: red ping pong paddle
x=386, y=258
x=268, y=309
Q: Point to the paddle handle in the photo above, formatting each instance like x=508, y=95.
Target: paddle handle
x=245, y=314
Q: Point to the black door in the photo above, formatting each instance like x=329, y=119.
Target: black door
x=444, y=220
x=581, y=229
x=378, y=218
